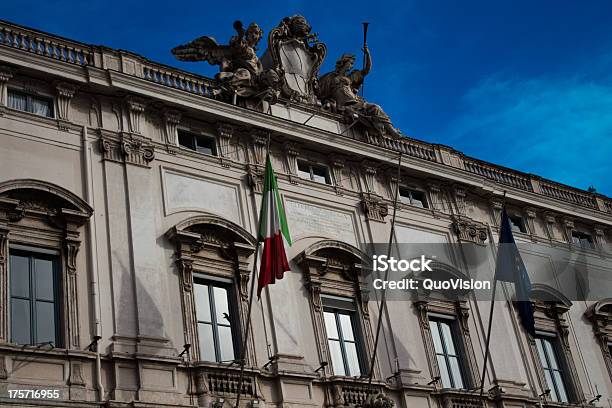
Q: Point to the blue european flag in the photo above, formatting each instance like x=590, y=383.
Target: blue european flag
x=510, y=268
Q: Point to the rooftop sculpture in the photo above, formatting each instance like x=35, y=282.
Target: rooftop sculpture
x=289, y=69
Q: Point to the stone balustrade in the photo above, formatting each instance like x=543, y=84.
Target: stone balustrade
x=568, y=194
x=45, y=45
x=180, y=80
x=224, y=383
x=498, y=174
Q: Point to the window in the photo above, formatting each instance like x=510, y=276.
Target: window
x=517, y=223
x=30, y=103
x=314, y=172
x=198, y=143
x=215, y=322
x=412, y=197
x=552, y=370
x=343, y=346
x=34, y=298
x=582, y=239
x=447, y=355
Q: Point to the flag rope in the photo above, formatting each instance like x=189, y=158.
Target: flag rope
x=383, y=299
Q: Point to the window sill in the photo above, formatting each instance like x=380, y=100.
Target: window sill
x=45, y=350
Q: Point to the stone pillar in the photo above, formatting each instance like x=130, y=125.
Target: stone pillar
x=600, y=237
x=530, y=216
x=3, y=285
x=291, y=154
x=435, y=196
x=568, y=227
x=337, y=166
x=225, y=133
x=460, y=194
x=369, y=173
x=496, y=204
x=65, y=93
x=550, y=221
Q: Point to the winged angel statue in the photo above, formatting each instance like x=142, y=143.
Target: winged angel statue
x=240, y=70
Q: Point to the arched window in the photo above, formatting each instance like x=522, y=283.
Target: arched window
x=341, y=318
x=213, y=263
x=550, y=348
x=39, y=241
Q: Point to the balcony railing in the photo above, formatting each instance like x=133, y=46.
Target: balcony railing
x=498, y=174
x=45, y=45
x=180, y=80
x=567, y=194
x=407, y=146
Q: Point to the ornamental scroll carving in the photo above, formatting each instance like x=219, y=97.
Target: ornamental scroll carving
x=212, y=246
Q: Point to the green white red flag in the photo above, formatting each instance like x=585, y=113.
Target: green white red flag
x=273, y=232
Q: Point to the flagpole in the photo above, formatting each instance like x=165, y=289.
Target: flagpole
x=488, y=338
x=251, y=297
x=384, y=294
x=248, y=324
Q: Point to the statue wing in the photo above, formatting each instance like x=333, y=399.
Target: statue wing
x=203, y=49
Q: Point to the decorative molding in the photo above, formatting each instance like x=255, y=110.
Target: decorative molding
x=136, y=107
x=460, y=194
x=255, y=178
x=469, y=230
x=496, y=204
x=259, y=140
x=128, y=149
x=172, y=118
x=225, y=133
x=374, y=207
x=4, y=290
x=550, y=219
x=65, y=93
x=6, y=74
x=368, y=169
x=600, y=237
x=600, y=315
x=436, y=195
x=568, y=228
x=337, y=164
x=530, y=214
x=291, y=155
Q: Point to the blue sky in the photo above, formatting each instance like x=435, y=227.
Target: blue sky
x=524, y=84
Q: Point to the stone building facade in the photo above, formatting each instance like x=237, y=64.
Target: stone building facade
x=129, y=196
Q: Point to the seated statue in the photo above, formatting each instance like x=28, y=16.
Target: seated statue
x=240, y=68
x=339, y=90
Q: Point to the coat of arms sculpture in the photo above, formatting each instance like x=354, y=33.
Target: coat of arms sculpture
x=297, y=54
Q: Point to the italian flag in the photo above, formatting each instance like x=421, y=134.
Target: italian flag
x=273, y=231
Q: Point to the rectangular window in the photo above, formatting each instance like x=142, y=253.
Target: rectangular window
x=215, y=322
x=517, y=223
x=343, y=346
x=582, y=239
x=412, y=197
x=314, y=172
x=552, y=370
x=34, y=298
x=198, y=143
x=30, y=103
x=447, y=354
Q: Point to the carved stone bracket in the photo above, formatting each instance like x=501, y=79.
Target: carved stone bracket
x=374, y=207
x=337, y=164
x=255, y=176
x=469, y=230
x=136, y=107
x=291, y=155
x=460, y=194
x=369, y=174
x=600, y=237
x=436, y=196
x=225, y=133
x=128, y=149
x=600, y=314
x=530, y=216
x=568, y=228
x=65, y=93
x=5, y=75
x=171, y=120
x=496, y=204
x=549, y=221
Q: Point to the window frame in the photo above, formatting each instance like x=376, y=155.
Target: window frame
x=211, y=283
x=451, y=323
x=311, y=167
x=410, y=200
x=29, y=106
x=553, y=341
x=214, y=151
x=357, y=340
x=521, y=227
x=579, y=237
x=33, y=253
